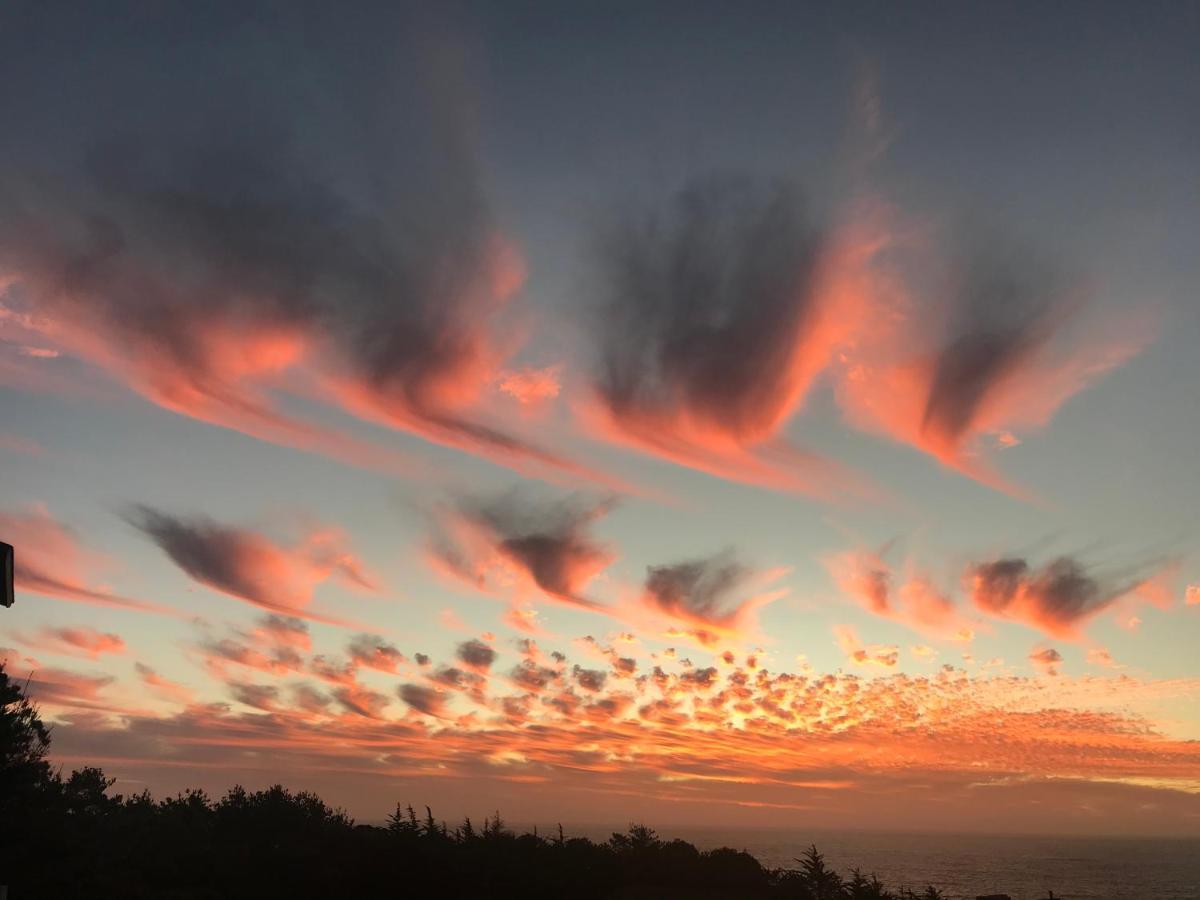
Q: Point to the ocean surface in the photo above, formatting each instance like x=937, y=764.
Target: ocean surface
x=966, y=866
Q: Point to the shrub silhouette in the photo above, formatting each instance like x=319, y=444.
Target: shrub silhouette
x=64, y=838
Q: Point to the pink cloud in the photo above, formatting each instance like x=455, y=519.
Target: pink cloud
x=51, y=561
x=246, y=565
x=77, y=641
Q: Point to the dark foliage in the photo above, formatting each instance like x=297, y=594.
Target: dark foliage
x=69, y=837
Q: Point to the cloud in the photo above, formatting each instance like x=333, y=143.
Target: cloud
x=217, y=255
x=590, y=679
x=992, y=343
x=883, y=655
x=718, y=312
x=286, y=631
x=476, y=654
x=76, y=641
x=524, y=545
x=309, y=700
x=361, y=700
x=424, y=700
x=1191, y=596
x=1100, y=656
x=1058, y=598
x=867, y=578
x=373, y=652
x=532, y=387
x=260, y=696
x=51, y=561
x=243, y=564
x=717, y=594
x=1046, y=659
x=166, y=687
x=733, y=734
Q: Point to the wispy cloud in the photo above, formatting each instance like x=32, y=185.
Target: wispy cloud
x=52, y=561
x=246, y=565
x=522, y=545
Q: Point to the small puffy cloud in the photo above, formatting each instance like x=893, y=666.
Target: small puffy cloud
x=476, y=654
x=882, y=655
x=425, y=700
x=1191, y=596
x=309, y=699
x=1099, y=656
x=530, y=386
x=259, y=696
x=373, y=652
x=1046, y=659
x=285, y=631
x=360, y=700
x=590, y=679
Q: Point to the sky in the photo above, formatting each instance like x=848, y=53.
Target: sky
x=773, y=416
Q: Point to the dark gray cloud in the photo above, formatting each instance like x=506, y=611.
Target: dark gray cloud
x=247, y=565
x=1046, y=659
x=360, y=700
x=703, y=590
x=210, y=553
x=1056, y=597
x=705, y=304
x=476, y=654
x=548, y=540
x=1006, y=306
x=287, y=185
x=532, y=677
x=259, y=696
x=423, y=699
x=286, y=630
x=309, y=699
x=373, y=652
x=590, y=679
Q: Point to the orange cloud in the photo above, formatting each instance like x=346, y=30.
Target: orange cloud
x=1057, y=598
x=707, y=600
x=76, y=641
x=164, y=686
x=1046, y=659
x=393, y=305
x=883, y=655
x=243, y=564
x=719, y=735
x=990, y=355
x=868, y=579
x=722, y=310
x=523, y=547
x=532, y=387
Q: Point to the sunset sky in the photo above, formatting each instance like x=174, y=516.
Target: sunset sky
x=769, y=414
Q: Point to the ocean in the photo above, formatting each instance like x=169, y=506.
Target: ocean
x=966, y=866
